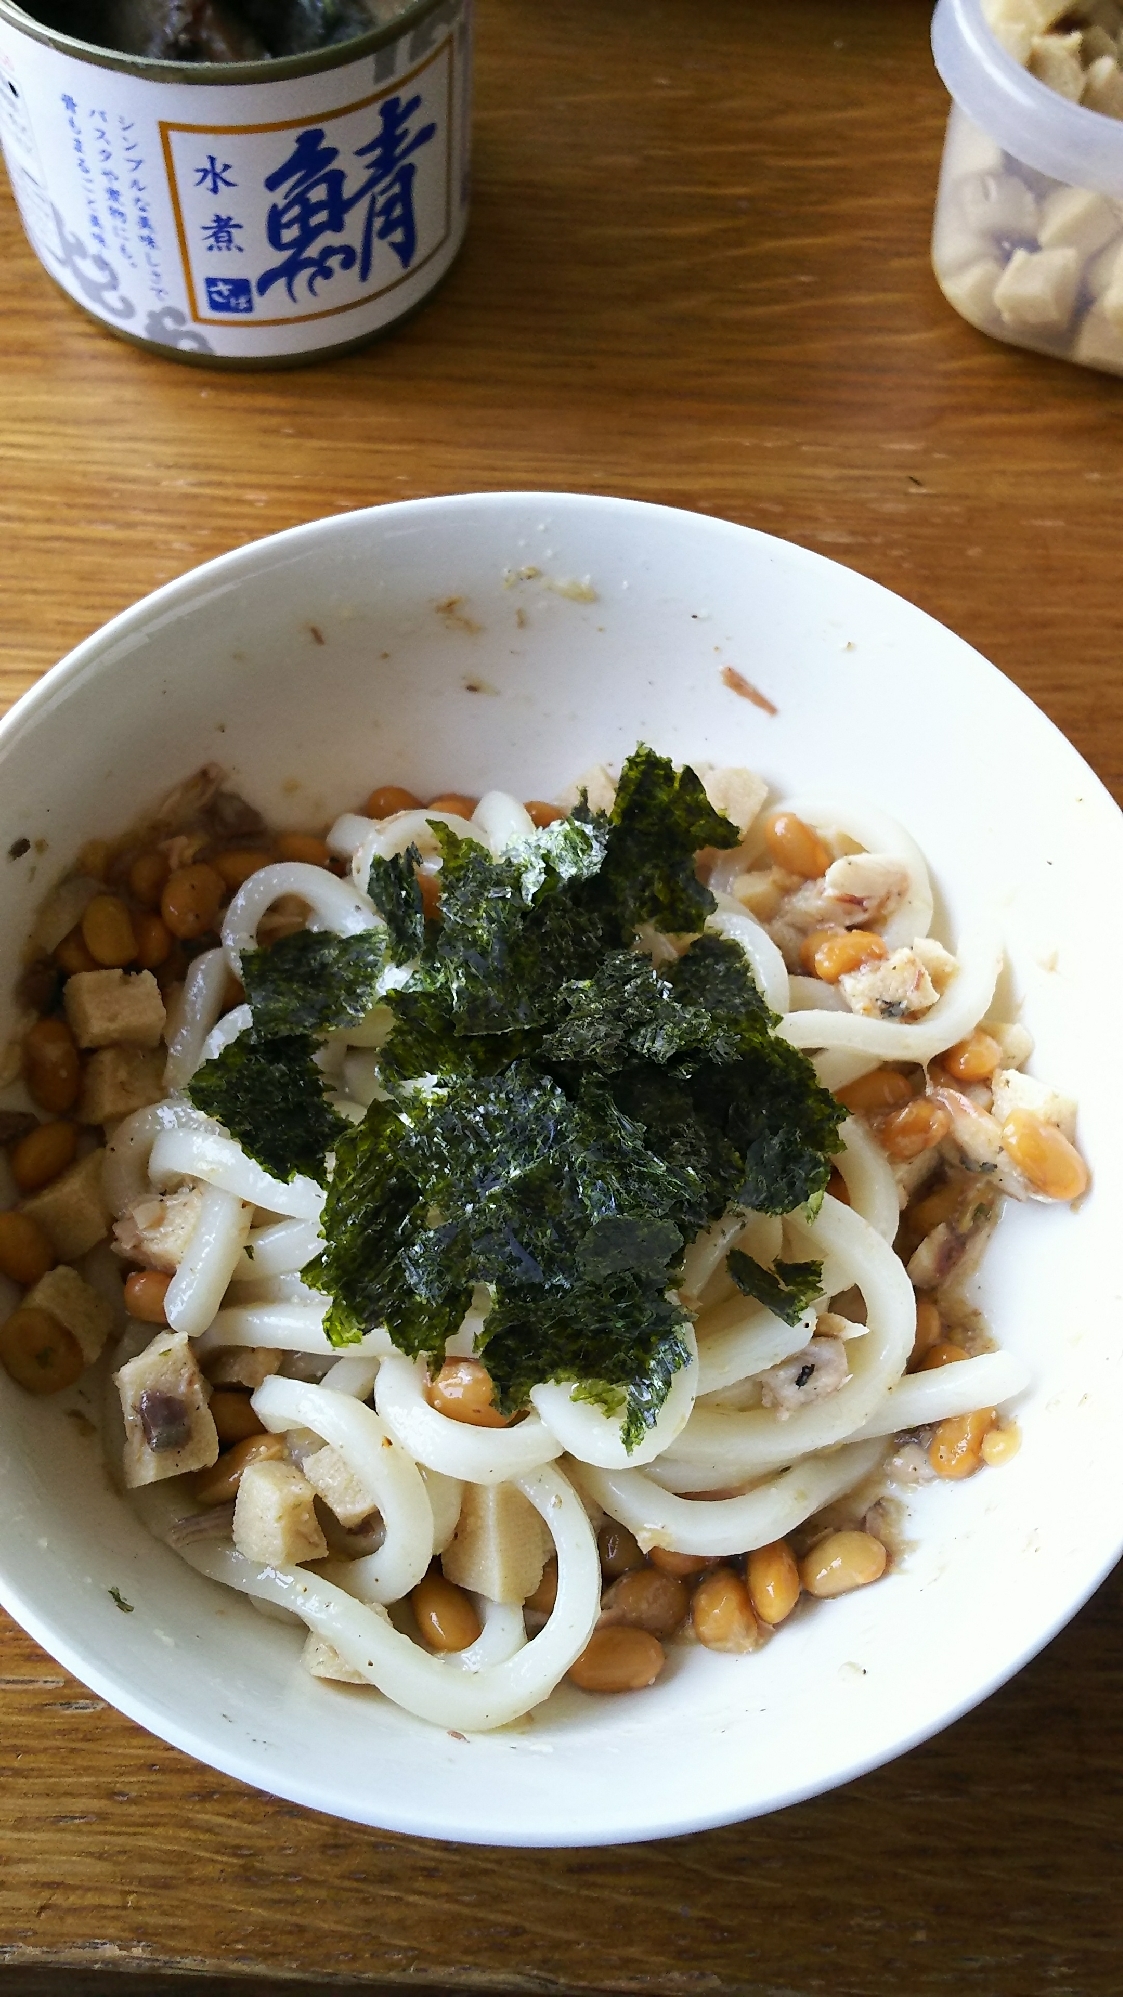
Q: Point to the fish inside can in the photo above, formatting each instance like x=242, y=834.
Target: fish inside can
x=214, y=30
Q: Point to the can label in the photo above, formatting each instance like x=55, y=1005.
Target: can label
x=245, y=219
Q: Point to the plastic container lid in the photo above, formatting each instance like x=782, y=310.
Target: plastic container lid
x=1036, y=124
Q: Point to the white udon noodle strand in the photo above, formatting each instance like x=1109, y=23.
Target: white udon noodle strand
x=335, y=905
x=959, y=1008
x=280, y=1249
x=717, y=1449
x=446, y=1496
x=196, y=1013
x=729, y=1525
x=348, y=833
x=983, y=1382
x=869, y=1179
x=586, y=1432
x=388, y=1475
x=759, y=1234
x=836, y=1067
x=769, y=971
x=431, y=1687
x=352, y=1376
x=286, y=1289
x=217, y=1240
x=125, y=1172
x=393, y=835
x=503, y=1632
x=238, y=1020
x=739, y=1338
x=502, y=820
x=285, y=1327
x=203, y=1150
x=875, y=832
x=477, y=1455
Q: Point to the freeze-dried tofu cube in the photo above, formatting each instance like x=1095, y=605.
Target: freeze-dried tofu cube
x=939, y=963
x=336, y=1483
x=72, y=1211
x=1105, y=270
x=323, y=1661
x=86, y=1315
x=1015, y=1040
x=998, y=206
x=737, y=794
x=1035, y=15
x=1094, y=43
x=1037, y=290
x=893, y=987
x=168, y=1425
x=500, y=1545
x=971, y=291
x=954, y=245
x=1103, y=88
x=1111, y=303
x=156, y=1229
x=1105, y=14
x=241, y=1365
x=1013, y=1090
x=1015, y=36
x=118, y=1080
x=757, y=891
x=1099, y=342
x=975, y=151
x=1072, y=217
x=275, y=1516
x=1055, y=60
x=104, y=1007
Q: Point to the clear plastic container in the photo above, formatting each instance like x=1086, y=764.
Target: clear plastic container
x=1028, y=236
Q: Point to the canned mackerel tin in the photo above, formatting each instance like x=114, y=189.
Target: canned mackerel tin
x=254, y=213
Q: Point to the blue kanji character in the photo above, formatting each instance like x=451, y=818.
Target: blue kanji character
x=317, y=201
x=219, y=234
x=214, y=177
x=230, y=294
x=69, y=103
x=389, y=183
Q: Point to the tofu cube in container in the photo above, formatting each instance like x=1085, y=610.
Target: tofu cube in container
x=1028, y=236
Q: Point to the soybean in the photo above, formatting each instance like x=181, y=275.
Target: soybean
x=842, y=1562
x=51, y=1065
x=647, y=1599
x=463, y=1391
x=773, y=1580
x=796, y=847
x=108, y=933
x=191, y=900
x=618, y=1659
x=446, y=1616
x=25, y=1252
x=619, y=1550
x=722, y=1613
x=145, y=1291
x=43, y=1154
x=388, y=799
x=39, y=1352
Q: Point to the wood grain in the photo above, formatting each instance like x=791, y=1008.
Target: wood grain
x=697, y=273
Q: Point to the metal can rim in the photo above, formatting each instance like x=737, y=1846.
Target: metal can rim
x=275, y=69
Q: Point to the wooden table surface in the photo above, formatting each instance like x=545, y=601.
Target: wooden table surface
x=697, y=272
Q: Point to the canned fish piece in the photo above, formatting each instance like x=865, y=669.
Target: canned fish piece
x=248, y=214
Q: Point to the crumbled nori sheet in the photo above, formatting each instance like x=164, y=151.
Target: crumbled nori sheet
x=212, y=30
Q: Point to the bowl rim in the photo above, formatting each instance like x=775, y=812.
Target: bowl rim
x=217, y=575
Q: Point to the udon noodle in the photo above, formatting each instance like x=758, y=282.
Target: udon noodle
x=461, y=1561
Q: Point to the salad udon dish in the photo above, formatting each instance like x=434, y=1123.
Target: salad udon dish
x=517, y=1238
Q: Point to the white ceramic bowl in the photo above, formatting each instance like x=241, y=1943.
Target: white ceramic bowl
x=439, y=668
